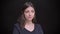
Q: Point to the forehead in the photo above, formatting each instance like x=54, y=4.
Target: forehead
x=29, y=8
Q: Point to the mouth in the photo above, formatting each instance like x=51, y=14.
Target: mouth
x=29, y=17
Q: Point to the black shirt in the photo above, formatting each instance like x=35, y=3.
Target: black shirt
x=18, y=30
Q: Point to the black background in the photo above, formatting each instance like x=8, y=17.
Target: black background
x=46, y=12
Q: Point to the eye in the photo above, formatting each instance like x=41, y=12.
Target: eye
x=32, y=11
x=26, y=11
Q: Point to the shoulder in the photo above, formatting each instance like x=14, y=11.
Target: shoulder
x=38, y=26
x=16, y=29
x=16, y=25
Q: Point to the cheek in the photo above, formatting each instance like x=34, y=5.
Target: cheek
x=26, y=15
x=33, y=14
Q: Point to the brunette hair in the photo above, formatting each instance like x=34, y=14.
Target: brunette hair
x=21, y=18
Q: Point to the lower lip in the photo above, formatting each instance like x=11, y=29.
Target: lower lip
x=29, y=17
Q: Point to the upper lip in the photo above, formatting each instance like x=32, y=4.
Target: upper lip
x=29, y=17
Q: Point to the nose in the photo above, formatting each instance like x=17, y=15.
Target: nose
x=29, y=13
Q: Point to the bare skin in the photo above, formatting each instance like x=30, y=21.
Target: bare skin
x=29, y=26
x=29, y=15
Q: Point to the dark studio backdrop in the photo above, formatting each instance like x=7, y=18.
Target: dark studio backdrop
x=46, y=12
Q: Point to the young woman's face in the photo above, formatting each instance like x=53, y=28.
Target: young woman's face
x=29, y=13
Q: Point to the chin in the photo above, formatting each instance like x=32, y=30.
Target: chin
x=30, y=19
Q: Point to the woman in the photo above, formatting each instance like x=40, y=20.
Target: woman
x=27, y=21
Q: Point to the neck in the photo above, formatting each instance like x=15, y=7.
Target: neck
x=28, y=22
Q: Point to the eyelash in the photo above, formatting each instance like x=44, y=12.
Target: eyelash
x=32, y=11
x=28, y=11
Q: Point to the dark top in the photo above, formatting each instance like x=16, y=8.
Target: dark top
x=18, y=30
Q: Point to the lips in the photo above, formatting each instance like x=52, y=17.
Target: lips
x=29, y=17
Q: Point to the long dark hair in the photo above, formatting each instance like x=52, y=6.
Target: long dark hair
x=21, y=18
